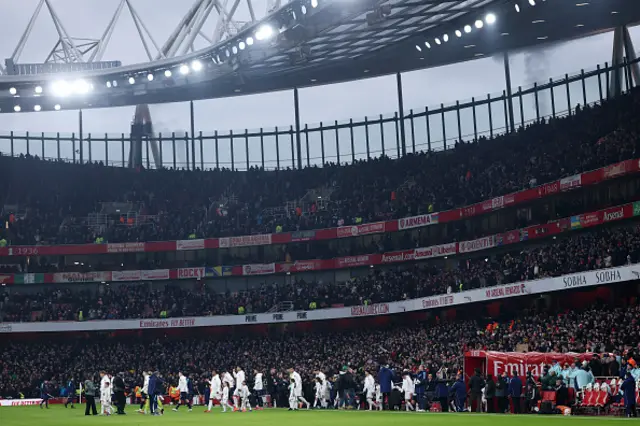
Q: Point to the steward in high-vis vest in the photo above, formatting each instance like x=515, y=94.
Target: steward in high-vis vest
x=174, y=394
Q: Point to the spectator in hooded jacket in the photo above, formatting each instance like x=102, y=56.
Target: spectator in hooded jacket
x=515, y=392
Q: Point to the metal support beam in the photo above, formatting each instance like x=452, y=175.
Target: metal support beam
x=632, y=59
x=193, y=136
x=296, y=109
x=401, y=114
x=80, y=134
x=616, y=63
x=507, y=79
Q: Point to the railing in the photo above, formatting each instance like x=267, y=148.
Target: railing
x=429, y=129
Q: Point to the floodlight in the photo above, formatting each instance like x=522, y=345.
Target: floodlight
x=150, y=77
x=108, y=85
x=184, y=70
x=458, y=33
x=479, y=24
x=241, y=45
x=249, y=41
x=167, y=73
x=132, y=80
x=532, y=2
x=490, y=18
x=37, y=108
x=264, y=32
x=445, y=38
x=81, y=87
x=196, y=65
x=467, y=29
x=426, y=43
x=17, y=108
x=234, y=50
x=438, y=41
x=38, y=89
x=418, y=48
x=60, y=88
x=314, y=3
x=13, y=91
x=57, y=107
x=517, y=8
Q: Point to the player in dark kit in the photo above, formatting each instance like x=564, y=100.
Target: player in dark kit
x=71, y=393
x=44, y=394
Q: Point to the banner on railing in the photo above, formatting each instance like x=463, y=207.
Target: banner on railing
x=259, y=269
x=190, y=244
x=245, y=241
x=478, y=244
x=541, y=286
x=81, y=277
x=418, y=221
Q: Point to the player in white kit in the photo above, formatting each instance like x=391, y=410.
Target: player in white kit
x=215, y=388
x=258, y=388
x=298, y=388
x=238, y=374
x=369, y=390
x=409, y=389
x=105, y=394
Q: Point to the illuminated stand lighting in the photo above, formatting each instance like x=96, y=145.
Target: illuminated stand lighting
x=150, y=77
x=132, y=80
x=17, y=108
x=184, y=69
x=264, y=32
x=479, y=24
x=467, y=29
x=38, y=90
x=314, y=3
x=168, y=73
x=196, y=65
x=57, y=107
x=37, y=108
x=490, y=19
x=13, y=91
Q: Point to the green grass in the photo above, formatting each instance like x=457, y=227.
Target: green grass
x=59, y=416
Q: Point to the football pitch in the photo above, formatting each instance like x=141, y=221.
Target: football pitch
x=59, y=416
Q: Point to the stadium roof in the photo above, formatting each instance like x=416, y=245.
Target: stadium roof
x=327, y=41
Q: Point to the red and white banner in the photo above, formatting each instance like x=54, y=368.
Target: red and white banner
x=184, y=273
x=245, y=241
x=81, y=277
x=19, y=402
x=398, y=256
x=155, y=275
x=354, y=231
x=190, y=244
x=570, y=182
x=259, y=269
x=299, y=266
x=616, y=213
x=126, y=275
x=435, y=251
x=479, y=244
x=417, y=221
x=125, y=248
x=349, y=261
x=169, y=323
x=521, y=363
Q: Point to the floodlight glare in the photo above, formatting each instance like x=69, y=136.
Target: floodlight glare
x=184, y=70
x=479, y=24
x=303, y=9
x=115, y=83
x=37, y=108
x=458, y=33
x=241, y=45
x=196, y=65
x=418, y=48
x=60, y=88
x=437, y=40
x=108, y=85
x=57, y=107
x=532, y=2
x=81, y=87
x=13, y=90
x=467, y=29
x=314, y=3
x=234, y=50
x=445, y=38
x=17, y=108
x=264, y=32
x=167, y=73
x=132, y=80
x=517, y=8
x=249, y=41
x=426, y=43
x=490, y=18
x=38, y=89
x=150, y=77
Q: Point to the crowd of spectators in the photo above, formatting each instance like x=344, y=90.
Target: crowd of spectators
x=595, y=249
x=438, y=345
x=54, y=198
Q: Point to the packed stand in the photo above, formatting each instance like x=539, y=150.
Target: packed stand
x=438, y=346
x=597, y=249
x=55, y=198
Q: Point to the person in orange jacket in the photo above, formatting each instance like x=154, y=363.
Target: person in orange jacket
x=174, y=394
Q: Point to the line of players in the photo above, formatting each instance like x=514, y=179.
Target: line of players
x=232, y=386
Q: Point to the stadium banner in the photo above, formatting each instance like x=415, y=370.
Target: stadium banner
x=190, y=245
x=126, y=248
x=245, y=241
x=357, y=230
x=541, y=286
x=187, y=273
x=478, y=244
x=417, y=221
x=422, y=253
x=565, y=184
x=636, y=208
x=259, y=269
x=19, y=402
x=29, y=279
x=81, y=277
x=521, y=363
